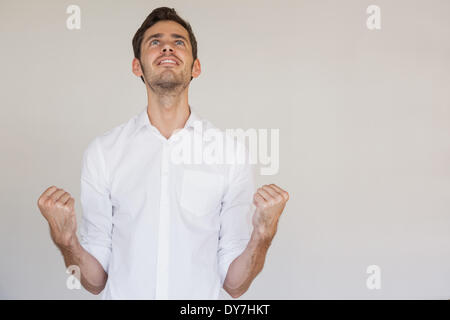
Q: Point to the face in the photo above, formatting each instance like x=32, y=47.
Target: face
x=166, y=58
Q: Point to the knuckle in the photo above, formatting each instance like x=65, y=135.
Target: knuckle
x=70, y=204
x=48, y=202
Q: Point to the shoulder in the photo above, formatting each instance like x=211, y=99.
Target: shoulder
x=114, y=138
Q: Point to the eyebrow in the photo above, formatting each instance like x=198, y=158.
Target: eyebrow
x=160, y=35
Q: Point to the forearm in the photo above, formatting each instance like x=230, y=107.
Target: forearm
x=245, y=268
x=93, y=276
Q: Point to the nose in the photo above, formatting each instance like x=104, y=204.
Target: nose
x=167, y=48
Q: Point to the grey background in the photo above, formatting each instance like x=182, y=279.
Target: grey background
x=364, y=119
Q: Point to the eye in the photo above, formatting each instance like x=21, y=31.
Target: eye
x=180, y=41
x=151, y=42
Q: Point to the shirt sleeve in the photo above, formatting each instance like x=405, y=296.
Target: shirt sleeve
x=96, y=222
x=236, y=216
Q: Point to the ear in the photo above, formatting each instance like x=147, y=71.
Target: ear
x=136, y=67
x=196, y=68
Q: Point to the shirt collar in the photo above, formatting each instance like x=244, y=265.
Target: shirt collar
x=144, y=121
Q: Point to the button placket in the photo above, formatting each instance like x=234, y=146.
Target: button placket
x=162, y=283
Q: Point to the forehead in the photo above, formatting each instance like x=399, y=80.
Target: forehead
x=166, y=27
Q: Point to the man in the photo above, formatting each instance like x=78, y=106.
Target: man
x=151, y=228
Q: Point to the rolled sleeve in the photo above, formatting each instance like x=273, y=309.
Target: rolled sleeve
x=96, y=222
x=236, y=216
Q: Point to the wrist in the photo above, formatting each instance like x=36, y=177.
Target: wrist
x=72, y=247
x=261, y=239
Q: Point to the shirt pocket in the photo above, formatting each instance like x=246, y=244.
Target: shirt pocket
x=201, y=192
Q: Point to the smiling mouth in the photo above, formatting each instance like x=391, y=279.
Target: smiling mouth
x=168, y=62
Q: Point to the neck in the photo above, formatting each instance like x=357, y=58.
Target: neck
x=168, y=112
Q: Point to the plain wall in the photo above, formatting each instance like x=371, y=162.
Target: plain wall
x=364, y=119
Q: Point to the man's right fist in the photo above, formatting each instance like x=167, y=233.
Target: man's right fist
x=57, y=206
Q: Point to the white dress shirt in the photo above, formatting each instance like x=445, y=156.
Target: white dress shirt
x=162, y=230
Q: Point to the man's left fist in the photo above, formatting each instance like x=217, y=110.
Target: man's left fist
x=269, y=201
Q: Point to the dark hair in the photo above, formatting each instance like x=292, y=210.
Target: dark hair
x=162, y=14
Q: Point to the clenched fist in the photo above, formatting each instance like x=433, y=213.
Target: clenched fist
x=57, y=206
x=270, y=201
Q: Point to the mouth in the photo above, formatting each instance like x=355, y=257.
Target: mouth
x=168, y=62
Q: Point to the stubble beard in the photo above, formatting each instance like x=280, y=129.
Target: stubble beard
x=167, y=82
